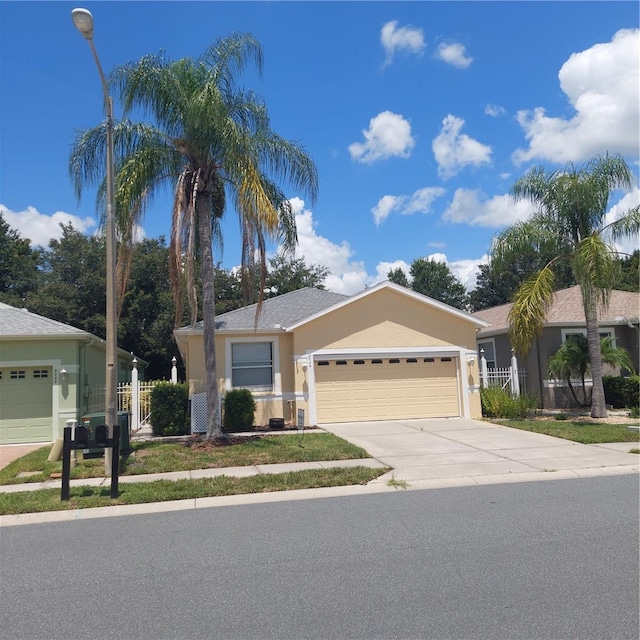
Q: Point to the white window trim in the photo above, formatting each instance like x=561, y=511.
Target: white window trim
x=583, y=331
x=275, y=364
x=493, y=343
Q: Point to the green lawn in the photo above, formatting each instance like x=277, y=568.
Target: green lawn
x=162, y=490
x=584, y=432
x=162, y=457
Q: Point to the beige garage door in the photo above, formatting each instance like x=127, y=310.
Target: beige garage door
x=25, y=405
x=386, y=389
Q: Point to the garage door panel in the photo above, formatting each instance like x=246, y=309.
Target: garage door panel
x=25, y=405
x=385, y=391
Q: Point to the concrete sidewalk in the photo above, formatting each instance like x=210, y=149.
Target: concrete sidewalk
x=236, y=472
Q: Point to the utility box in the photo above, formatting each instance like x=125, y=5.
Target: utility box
x=92, y=420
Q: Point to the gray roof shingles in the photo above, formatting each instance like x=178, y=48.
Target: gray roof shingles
x=281, y=311
x=16, y=322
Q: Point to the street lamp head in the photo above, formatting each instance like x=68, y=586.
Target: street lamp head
x=83, y=20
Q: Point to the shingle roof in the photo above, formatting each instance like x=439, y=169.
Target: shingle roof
x=280, y=311
x=20, y=322
x=566, y=308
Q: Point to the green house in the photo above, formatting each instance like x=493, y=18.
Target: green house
x=50, y=372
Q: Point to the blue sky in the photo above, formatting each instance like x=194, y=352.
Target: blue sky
x=419, y=115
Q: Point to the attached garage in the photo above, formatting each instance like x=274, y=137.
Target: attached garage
x=362, y=389
x=26, y=410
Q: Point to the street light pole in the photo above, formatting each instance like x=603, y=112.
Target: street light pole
x=83, y=20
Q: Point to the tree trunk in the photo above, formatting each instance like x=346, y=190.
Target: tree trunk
x=214, y=422
x=598, y=406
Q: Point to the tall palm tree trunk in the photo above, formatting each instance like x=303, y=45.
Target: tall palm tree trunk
x=214, y=423
x=598, y=406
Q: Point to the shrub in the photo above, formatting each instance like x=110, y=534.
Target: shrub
x=498, y=403
x=621, y=392
x=170, y=409
x=238, y=410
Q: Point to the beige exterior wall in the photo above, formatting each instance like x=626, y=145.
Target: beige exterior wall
x=383, y=319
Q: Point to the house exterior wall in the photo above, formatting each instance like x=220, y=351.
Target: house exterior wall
x=384, y=319
x=391, y=320
x=551, y=393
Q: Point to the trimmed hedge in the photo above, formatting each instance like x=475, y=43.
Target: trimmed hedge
x=170, y=409
x=622, y=393
x=239, y=408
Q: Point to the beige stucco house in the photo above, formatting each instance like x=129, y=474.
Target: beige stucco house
x=565, y=318
x=381, y=354
x=48, y=373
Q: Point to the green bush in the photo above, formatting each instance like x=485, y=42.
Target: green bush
x=238, y=410
x=170, y=409
x=622, y=393
x=498, y=403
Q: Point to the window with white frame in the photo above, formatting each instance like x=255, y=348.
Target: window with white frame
x=252, y=365
x=567, y=334
x=489, y=353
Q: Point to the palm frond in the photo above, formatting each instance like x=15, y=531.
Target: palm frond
x=529, y=311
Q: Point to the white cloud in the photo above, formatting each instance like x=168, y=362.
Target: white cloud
x=628, y=201
x=494, y=110
x=472, y=207
x=388, y=135
x=602, y=86
x=347, y=276
x=466, y=271
x=40, y=228
x=454, y=150
x=394, y=38
x=437, y=245
x=454, y=54
x=383, y=269
x=419, y=202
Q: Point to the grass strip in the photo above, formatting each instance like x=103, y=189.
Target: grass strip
x=164, y=457
x=577, y=431
x=165, y=490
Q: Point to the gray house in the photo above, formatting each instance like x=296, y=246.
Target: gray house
x=565, y=318
x=48, y=371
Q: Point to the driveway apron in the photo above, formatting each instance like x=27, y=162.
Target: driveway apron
x=448, y=448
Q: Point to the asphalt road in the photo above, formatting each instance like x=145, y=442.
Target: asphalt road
x=555, y=559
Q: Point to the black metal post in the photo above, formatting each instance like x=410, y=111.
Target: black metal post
x=66, y=463
x=115, y=460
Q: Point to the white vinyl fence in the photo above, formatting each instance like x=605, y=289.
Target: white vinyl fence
x=133, y=397
x=507, y=377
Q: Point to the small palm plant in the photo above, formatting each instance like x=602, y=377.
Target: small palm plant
x=571, y=362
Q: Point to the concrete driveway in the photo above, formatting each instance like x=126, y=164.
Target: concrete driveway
x=452, y=451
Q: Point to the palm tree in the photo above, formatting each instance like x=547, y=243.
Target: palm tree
x=571, y=362
x=570, y=221
x=210, y=141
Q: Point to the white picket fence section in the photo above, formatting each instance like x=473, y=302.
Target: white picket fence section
x=133, y=397
x=512, y=377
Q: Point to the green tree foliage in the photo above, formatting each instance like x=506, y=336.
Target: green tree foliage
x=145, y=327
x=628, y=276
x=287, y=275
x=569, y=220
x=433, y=279
x=18, y=266
x=72, y=282
x=210, y=141
x=398, y=276
x=571, y=362
x=498, y=286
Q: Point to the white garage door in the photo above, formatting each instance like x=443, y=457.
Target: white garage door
x=386, y=389
x=25, y=405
